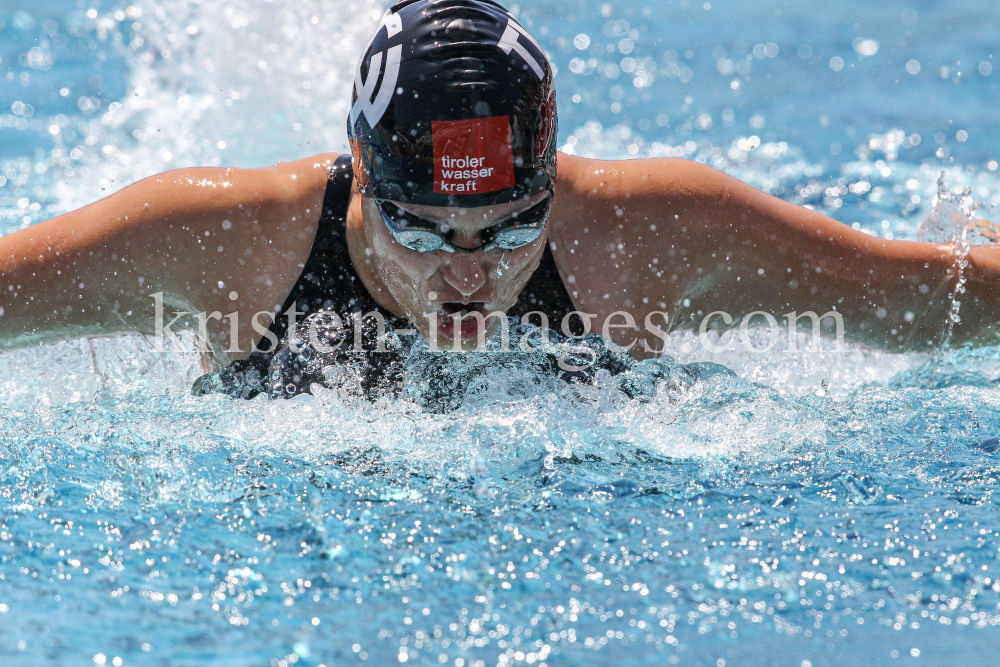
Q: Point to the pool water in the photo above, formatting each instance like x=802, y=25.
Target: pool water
x=785, y=508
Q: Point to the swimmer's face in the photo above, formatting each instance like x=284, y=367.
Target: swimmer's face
x=438, y=285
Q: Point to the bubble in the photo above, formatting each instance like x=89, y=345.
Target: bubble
x=866, y=47
x=581, y=41
x=985, y=68
x=908, y=16
x=836, y=63
x=913, y=66
x=805, y=52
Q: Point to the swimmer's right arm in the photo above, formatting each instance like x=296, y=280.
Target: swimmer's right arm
x=199, y=236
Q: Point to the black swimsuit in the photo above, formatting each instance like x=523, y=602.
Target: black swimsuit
x=328, y=282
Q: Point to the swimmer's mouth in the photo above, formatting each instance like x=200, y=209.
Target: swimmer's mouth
x=454, y=323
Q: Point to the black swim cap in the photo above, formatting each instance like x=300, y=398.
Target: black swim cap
x=453, y=105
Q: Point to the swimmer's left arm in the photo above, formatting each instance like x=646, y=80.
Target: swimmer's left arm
x=683, y=238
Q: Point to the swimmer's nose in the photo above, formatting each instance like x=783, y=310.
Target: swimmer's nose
x=468, y=240
x=466, y=274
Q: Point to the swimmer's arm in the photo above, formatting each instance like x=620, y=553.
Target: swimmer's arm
x=93, y=271
x=722, y=245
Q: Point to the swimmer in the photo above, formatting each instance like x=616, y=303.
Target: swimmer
x=454, y=203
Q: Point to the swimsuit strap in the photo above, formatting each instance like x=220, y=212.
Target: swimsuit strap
x=545, y=292
x=328, y=279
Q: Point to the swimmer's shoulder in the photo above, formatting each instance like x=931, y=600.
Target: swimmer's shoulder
x=259, y=192
x=300, y=179
x=583, y=178
x=286, y=196
x=601, y=197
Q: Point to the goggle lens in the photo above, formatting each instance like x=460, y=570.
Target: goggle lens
x=423, y=235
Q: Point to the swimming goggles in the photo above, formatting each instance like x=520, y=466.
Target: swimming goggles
x=423, y=235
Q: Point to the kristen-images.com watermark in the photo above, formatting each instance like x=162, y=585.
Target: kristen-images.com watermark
x=758, y=331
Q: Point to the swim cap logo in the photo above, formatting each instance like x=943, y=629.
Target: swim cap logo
x=472, y=156
x=509, y=41
x=365, y=90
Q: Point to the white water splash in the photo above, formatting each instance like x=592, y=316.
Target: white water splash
x=949, y=223
x=210, y=83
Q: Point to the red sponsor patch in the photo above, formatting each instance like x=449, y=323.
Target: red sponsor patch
x=472, y=156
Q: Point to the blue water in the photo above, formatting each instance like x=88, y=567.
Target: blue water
x=743, y=517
